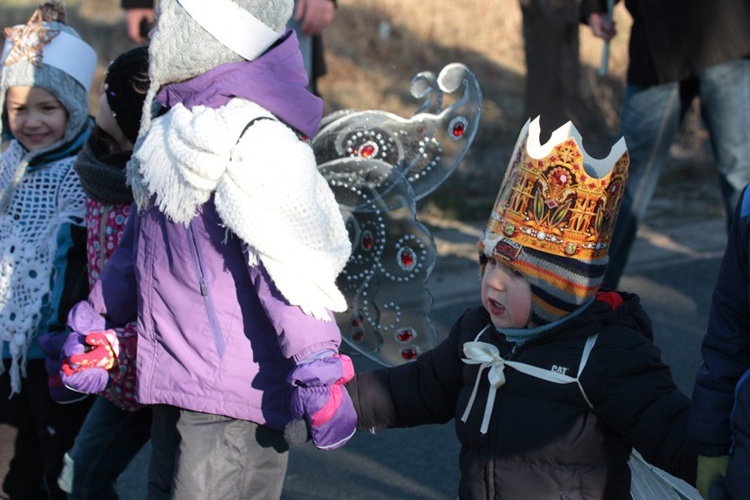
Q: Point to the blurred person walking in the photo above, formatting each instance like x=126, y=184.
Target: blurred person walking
x=680, y=50
x=551, y=42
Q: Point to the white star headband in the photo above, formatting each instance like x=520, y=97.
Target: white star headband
x=64, y=51
x=233, y=26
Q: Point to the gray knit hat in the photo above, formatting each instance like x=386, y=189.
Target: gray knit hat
x=47, y=53
x=191, y=37
x=181, y=47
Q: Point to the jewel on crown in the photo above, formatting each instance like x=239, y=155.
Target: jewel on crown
x=557, y=199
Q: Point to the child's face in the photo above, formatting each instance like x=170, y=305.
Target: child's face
x=506, y=295
x=36, y=118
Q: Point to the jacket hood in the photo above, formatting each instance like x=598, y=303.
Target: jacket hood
x=277, y=81
x=626, y=312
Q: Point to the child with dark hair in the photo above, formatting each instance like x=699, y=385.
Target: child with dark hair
x=46, y=73
x=116, y=427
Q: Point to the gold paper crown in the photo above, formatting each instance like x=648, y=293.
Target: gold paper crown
x=556, y=199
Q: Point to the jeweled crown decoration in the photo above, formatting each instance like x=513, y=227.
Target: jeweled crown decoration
x=557, y=199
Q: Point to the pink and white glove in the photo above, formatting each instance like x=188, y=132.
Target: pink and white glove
x=87, y=359
x=321, y=399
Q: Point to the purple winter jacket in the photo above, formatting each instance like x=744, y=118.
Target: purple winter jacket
x=214, y=335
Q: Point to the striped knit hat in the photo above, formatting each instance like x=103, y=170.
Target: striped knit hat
x=554, y=217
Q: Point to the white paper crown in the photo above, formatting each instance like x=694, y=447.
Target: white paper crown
x=236, y=28
x=64, y=51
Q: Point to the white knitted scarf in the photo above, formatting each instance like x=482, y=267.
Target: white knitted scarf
x=267, y=190
x=42, y=200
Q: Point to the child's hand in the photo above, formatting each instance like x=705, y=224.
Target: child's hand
x=51, y=344
x=602, y=26
x=320, y=398
x=100, y=354
x=87, y=359
x=709, y=469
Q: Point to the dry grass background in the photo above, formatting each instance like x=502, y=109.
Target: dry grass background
x=375, y=47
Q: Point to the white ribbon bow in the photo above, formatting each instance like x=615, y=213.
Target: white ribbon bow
x=488, y=356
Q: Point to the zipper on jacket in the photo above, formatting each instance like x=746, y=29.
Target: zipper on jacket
x=205, y=291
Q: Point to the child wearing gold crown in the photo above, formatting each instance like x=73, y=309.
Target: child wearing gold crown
x=552, y=381
x=46, y=74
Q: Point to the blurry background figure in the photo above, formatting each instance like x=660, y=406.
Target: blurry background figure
x=551, y=42
x=680, y=50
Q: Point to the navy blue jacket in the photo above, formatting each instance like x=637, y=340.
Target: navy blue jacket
x=720, y=415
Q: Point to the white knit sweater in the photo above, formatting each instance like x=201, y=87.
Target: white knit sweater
x=267, y=190
x=42, y=201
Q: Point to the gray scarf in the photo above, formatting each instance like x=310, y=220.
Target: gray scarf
x=103, y=174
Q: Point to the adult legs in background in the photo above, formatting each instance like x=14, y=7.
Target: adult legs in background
x=649, y=122
x=306, y=47
x=725, y=108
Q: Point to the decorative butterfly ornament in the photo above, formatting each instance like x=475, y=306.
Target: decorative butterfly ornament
x=379, y=165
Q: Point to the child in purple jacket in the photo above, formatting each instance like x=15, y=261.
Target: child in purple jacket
x=230, y=261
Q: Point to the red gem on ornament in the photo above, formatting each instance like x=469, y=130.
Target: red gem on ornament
x=358, y=336
x=407, y=258
x=367, y=241
x=367, y=151
x=409, y=353
x=405, y=335
x=459, y=129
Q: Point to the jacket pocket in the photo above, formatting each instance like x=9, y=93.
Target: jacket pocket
x=205, y=291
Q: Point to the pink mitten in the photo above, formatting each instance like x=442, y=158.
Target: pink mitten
x=322, y=401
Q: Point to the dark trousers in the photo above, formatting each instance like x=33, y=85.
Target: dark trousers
x=107, y=442
x=46, y=430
